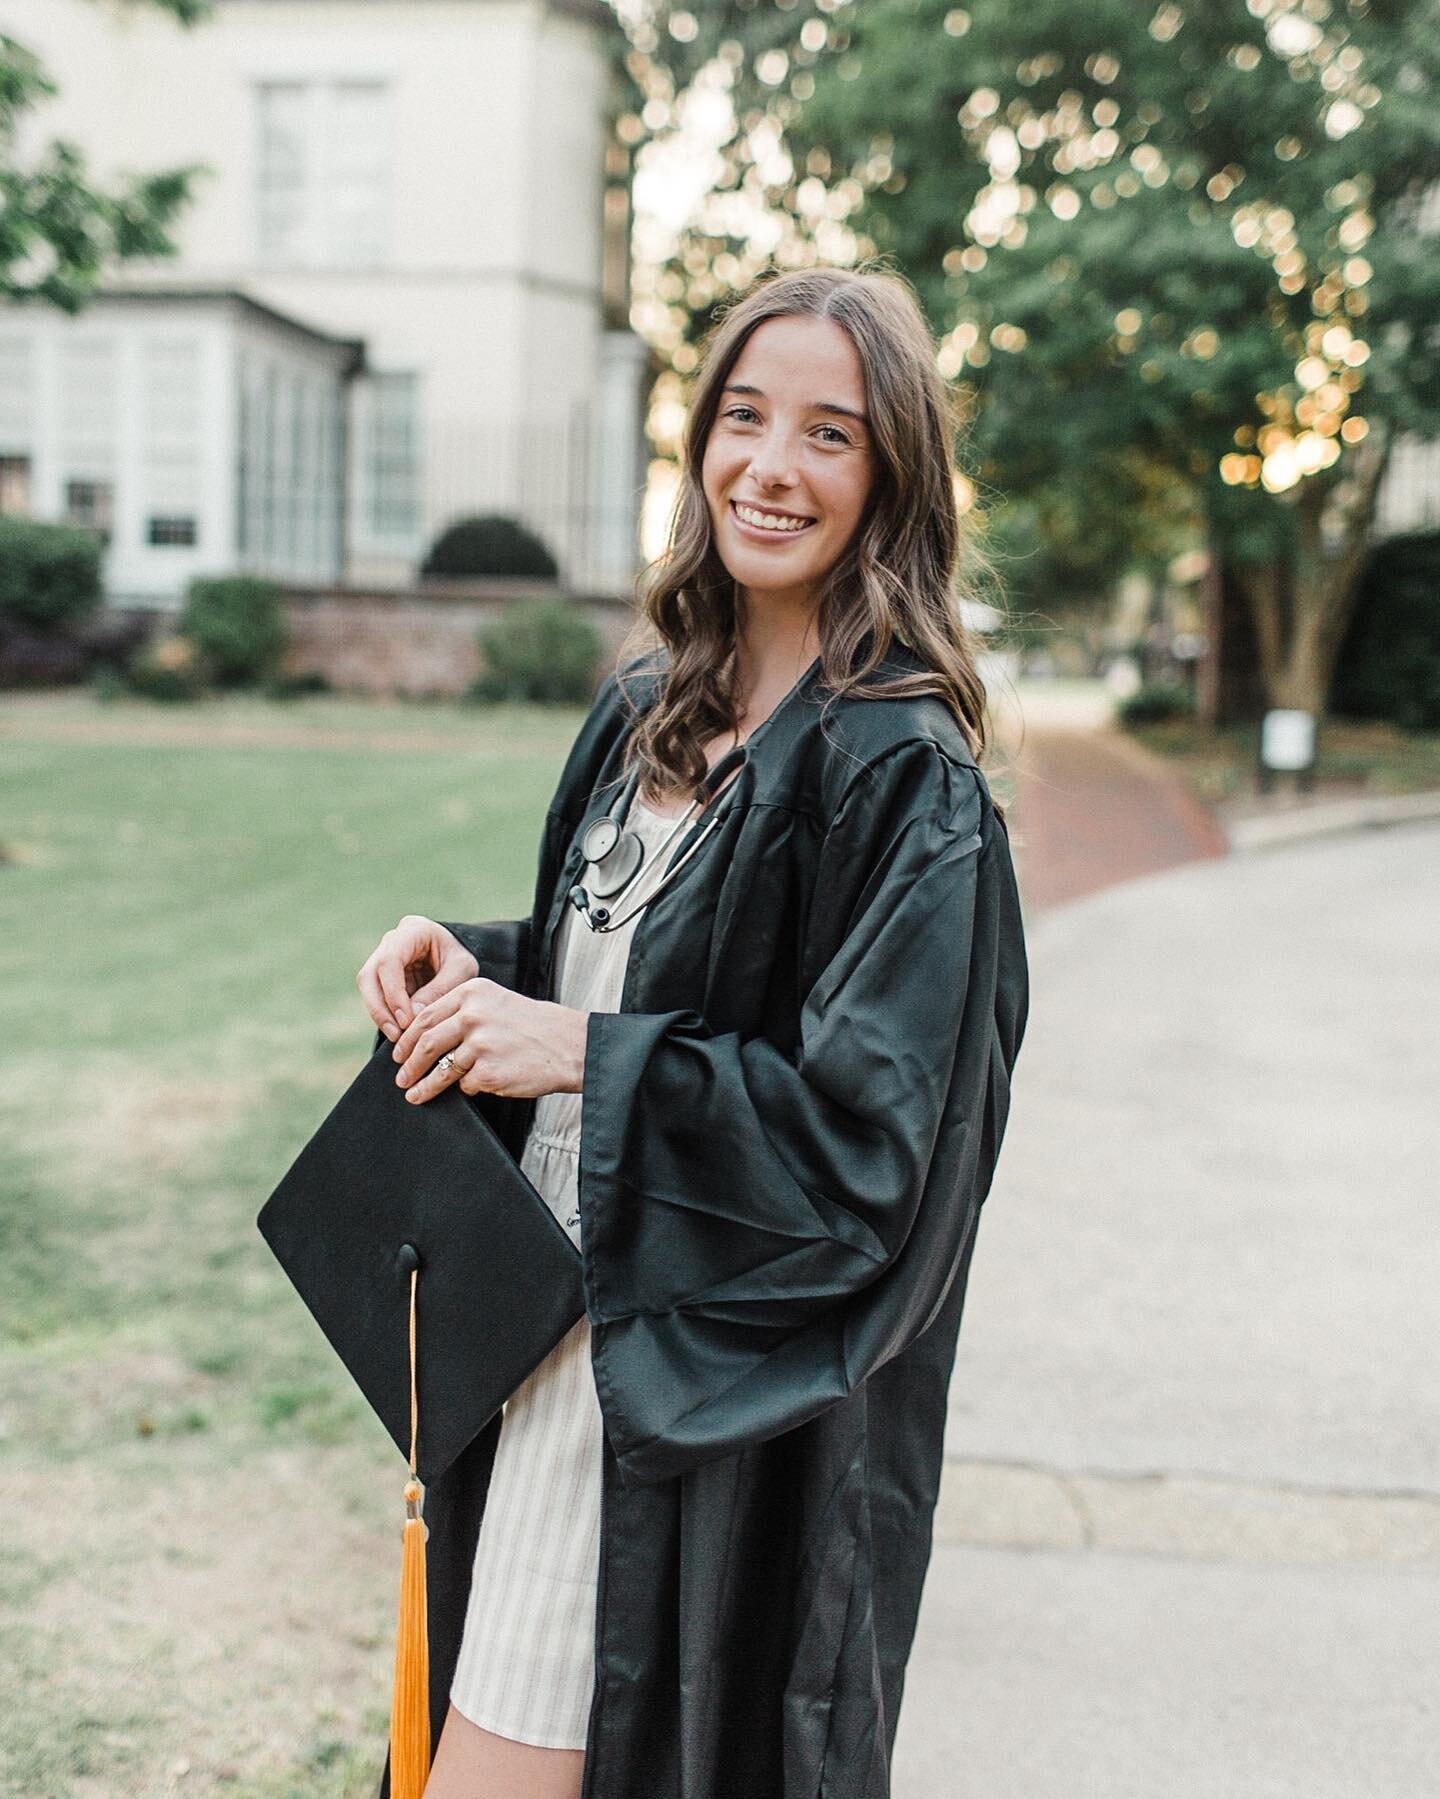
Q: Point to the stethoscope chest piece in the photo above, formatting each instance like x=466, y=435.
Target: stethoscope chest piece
x=614, y=856
x=600, y=838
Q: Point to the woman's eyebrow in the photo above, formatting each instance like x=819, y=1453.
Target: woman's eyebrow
x=847, y=412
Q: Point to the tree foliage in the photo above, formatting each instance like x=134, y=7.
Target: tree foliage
x=59, y=228
x=1197, y=238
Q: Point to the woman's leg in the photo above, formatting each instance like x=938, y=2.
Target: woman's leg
x=471, y=1763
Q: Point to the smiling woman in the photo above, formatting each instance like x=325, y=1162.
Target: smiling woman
x=757, y=1034
x=816, y=509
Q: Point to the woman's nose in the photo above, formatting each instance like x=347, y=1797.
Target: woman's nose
x=773, y=461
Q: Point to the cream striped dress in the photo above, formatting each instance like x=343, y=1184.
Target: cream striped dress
x=527, y=1658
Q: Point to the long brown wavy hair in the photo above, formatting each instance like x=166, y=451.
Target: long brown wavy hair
x=895, y=579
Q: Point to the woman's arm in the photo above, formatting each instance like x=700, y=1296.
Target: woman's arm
x=760, y=1229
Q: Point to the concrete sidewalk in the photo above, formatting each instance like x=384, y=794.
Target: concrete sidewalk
x=1189, y=1542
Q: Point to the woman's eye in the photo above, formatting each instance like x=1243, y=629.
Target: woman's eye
x=735, y=411
x=839, y=436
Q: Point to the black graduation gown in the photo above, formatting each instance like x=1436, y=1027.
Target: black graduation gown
x=787, y=1134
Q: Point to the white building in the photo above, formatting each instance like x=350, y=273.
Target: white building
x=414, y=271
x=199, y=433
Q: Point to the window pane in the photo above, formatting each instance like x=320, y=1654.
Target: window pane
x=391, y=449
x=14, y=486
x=92, y=504
x=88, y=405
x=171, y=427
x=18, y=409
x=357, y=206
x=284, y=162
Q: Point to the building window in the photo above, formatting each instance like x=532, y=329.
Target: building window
x=323, y=185
x=244, y=468
x=19, y=405
x=92, y=504
x=389, y=409
x=170, y=436
x=85, y=402
x=284, y=165
x=14, y=486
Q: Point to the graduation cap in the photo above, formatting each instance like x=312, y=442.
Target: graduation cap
x=441, y=1278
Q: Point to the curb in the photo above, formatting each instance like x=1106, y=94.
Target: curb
x=1273, y=830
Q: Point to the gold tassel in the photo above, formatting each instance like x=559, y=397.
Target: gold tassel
x=410, y=1703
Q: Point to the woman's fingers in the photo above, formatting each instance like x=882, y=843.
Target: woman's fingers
x=454, y=1025
x=418, y=1074
x=499, y=1042
x=384, y=980
x=444, y=983
x=423, y=1019
x=416, y=946
x=394, y=959
x=376, y=1004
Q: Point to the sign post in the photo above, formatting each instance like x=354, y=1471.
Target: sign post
x=1287, y=746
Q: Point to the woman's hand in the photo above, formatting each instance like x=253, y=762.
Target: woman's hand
x=419, y=961
x=501, y=1042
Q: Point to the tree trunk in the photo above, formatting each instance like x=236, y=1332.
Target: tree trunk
x=1302, y=607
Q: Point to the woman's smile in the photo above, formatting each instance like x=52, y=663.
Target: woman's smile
x=766, y=525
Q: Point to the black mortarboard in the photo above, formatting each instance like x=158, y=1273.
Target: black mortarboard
x=384, y=1181
x=442, y=1279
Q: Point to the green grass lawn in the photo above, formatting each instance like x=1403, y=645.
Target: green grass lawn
x=198, y=1569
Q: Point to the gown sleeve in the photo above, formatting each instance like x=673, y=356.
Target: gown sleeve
x=499, y=947
x=761, y=1229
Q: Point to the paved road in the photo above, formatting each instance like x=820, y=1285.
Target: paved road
x=1052, y=1676
x=1190, y=1538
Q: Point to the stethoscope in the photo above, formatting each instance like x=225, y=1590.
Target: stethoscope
x=613, y=854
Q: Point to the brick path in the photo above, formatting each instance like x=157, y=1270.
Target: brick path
x=1092, y=808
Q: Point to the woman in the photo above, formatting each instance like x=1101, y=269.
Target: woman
x=768, y=1104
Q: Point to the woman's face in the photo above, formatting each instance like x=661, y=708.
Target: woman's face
x=790, y=443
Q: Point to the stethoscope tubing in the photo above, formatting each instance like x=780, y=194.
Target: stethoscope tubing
x=684, y=851
x=614, y=924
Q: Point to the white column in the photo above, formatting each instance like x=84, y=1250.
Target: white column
x=620, y=463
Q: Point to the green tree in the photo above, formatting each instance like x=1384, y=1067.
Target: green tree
x=60, y=230
x=1199, y=239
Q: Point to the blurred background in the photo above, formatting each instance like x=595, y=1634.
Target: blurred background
x=343, y=350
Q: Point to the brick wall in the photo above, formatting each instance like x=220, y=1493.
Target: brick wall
x=414, y=642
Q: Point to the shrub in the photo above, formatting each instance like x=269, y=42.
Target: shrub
x=488, y=545
x=1156, y=702
x=543, y=650
x=49, y=574
x=168, y=668
x=39, y=658
x=238, y=624
x=106, y=683
x=1389, y=662
x=111, y=636
x=296, y=686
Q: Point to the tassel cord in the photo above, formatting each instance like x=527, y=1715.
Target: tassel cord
x=410, y=1704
